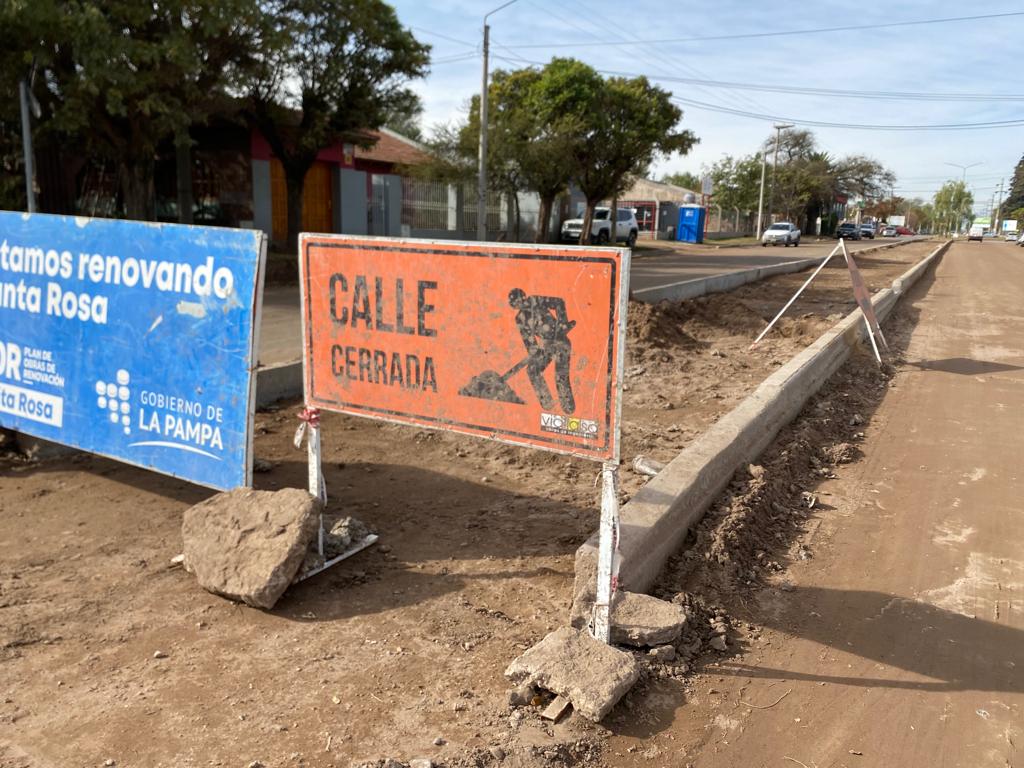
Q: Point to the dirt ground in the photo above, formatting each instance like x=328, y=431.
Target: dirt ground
x=398, y=652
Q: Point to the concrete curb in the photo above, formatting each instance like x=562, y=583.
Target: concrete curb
x=691, y=289
x=656, y=520
x=278, y=381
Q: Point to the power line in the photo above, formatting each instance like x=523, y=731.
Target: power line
x=672, y=63
x=852, y=126
x=780, y=33
x=446, y=37
x=807, y=91
x=454, y=59
x=893, y=95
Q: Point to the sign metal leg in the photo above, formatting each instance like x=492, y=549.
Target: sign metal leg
x=608, y=552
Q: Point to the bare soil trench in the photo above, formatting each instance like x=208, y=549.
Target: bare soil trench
x=397, y=652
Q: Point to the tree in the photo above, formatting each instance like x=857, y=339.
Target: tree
x=329, y=70
x=16, y=27
x=1015, y=195
x=123, y=77
x=403, y=115
x=808, y=179
x=683, y=179
x=736, y=182
x=528, y=148
x=952, y=204
x=614, y=127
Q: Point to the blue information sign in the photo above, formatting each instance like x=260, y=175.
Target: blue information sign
x=132, y=340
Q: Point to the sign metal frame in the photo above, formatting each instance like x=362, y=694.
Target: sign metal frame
x=609, y=556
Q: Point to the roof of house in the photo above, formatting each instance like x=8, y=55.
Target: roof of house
x=392, y=147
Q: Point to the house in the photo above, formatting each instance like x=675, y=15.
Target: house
x=348, y=189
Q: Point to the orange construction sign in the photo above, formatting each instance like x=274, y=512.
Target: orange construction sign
x=520, y=343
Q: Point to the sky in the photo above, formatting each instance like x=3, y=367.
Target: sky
x=978, y=57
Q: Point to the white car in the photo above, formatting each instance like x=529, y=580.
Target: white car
x=1020, y=240
x=1011, y=237
x=627, y=228
x=781, y=232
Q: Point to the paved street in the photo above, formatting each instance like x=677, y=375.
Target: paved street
x=668, y=268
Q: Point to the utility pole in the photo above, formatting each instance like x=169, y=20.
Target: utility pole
x=760, y=197
x=26, y=141
x=999, y=206
x=481, y=178
x=779, y=128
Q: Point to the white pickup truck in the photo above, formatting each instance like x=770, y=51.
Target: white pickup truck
x=600, y=228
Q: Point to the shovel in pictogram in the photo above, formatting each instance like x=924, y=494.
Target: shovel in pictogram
x=491, y=385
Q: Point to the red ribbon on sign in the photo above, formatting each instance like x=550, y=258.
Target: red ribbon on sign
x=311, y=416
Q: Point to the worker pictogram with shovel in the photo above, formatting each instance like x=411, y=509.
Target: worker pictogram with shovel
x=544, y=327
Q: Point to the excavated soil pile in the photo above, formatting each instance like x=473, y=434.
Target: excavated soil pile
x=743, y=539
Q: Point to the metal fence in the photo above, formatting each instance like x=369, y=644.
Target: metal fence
x=426, y=204
x=449, y=210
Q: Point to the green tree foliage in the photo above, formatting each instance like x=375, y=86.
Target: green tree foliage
x=615, y=127
x=736, y=182
x=528, y=146
x=20, y=24
x=1015, y=195
x=328, y=70
x=122, y=77
x=683, y=179
x=952, y=205
x=808, y=179
x=404, y=114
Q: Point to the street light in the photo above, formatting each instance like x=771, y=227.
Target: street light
x=963, y=180
x=964, y=168
x=779, y=128
x=481, y=180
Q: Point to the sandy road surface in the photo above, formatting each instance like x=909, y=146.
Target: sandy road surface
x=901, y=643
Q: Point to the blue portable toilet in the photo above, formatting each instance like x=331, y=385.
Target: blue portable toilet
x=691, y=224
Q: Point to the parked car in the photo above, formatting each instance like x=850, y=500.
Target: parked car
x=976, y=232
x=781, y=232
x=868, y=231
x=904, y=231
x=848, y=230
x=1011, y=236
x=627, y=228
x=1020, y=240
x=889, y=232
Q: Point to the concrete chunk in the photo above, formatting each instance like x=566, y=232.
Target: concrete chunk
x=248, y=545
x=642, y=620
x=571, y=663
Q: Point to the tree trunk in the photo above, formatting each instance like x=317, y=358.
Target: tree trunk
x=543, y=217
x=588, y=222
x=613, y=215
x=515, y=207
x=183, y=172
x=295, y=180
x=137, y=189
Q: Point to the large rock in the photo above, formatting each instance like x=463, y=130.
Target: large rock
x=637, y=620
x=570, y=662
x=248, y=545
x=642, y=620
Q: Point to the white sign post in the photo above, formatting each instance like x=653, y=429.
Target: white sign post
x=608, y=551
